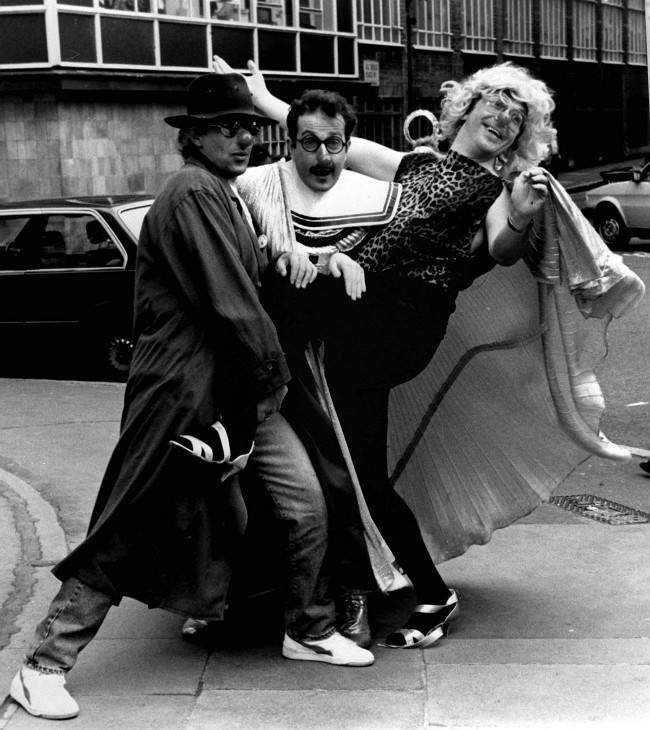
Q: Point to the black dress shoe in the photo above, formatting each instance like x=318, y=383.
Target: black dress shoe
x=352, y=618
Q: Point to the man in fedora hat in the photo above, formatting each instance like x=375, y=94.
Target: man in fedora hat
x=205, y=353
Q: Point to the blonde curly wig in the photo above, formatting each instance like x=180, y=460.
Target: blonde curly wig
x=532, y=143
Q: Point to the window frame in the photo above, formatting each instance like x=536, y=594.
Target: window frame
x=553, y=30
x=51, y=11
x=473, y=40
x=391, y=26
x=585, y=21
x=426, y=28
x=518, y=38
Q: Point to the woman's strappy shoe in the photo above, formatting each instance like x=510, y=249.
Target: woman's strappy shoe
x=428, y=624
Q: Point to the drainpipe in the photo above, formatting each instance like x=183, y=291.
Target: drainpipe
x=647, y=41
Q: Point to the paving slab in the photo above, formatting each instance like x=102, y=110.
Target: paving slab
x=522, y=696
x=309, y=710
x=136, y=667
x=555, y=581
x=540, y=651
x=261, y=669
x=117, y=713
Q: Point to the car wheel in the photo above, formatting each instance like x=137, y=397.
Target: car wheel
x=111, y=353
x=119, y=351
x=611, y=228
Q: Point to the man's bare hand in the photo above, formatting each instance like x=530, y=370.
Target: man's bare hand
x=341, y=264
x=271, y=404
x=221, y=66
x=254, y=79
x=300, y=269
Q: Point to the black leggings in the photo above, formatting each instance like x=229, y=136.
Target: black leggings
x=372, y=345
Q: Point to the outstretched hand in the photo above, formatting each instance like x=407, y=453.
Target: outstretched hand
x=254, y=79
x=221, y=66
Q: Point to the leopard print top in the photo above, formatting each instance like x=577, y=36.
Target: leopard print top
x=444, y=203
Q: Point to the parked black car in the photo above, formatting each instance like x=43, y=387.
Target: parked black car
x=67, y=275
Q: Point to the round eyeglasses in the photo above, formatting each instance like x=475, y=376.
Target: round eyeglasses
x=230, y=129
x=502, y=105
x=312, y=143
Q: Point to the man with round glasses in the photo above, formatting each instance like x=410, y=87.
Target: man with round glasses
x=331, y=211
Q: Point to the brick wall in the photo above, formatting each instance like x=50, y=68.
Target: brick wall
x=52, y=148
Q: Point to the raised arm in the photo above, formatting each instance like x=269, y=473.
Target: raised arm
x=509, y=216
x=364, y=156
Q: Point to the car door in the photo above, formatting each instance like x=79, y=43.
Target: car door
x=636, y=202
x=15, y=232
x=76, y=277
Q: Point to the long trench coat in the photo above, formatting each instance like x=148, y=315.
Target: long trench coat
x=204, y=348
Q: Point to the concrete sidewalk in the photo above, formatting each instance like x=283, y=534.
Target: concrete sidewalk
x=553, y=631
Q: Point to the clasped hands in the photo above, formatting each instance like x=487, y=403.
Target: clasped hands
x=302, y=272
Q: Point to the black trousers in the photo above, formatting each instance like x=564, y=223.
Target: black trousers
x=371, y=345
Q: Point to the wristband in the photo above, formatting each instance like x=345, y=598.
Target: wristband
x=513, y=227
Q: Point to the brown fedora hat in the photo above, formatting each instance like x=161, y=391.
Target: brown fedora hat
x=217, y=95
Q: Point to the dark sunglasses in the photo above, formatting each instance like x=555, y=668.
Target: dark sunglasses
x=230, y=129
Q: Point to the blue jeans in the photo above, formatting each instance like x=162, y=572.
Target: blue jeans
x=77, y=611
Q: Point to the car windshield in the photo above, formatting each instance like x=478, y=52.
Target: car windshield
x=133, y=218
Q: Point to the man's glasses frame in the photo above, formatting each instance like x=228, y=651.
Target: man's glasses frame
x=311, y=143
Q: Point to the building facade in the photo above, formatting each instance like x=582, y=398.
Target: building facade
x=85, y=84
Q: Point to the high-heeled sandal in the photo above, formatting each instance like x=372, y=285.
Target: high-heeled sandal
x=431, y=624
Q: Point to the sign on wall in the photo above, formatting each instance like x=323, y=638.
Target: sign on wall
x=371, y=72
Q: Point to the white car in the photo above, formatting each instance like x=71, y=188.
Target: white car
x=620, y=208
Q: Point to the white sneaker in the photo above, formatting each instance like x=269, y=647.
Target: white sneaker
x=335, y=649
x=43, y=694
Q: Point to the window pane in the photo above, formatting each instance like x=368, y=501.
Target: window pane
x=346, y=55
x=93, y=244
x=317, y=54
x=271, y=13
x=636, y=37
x=128, y=5
x=584, y=30
x=22, y=39
x=235, y=44
x=87, y=3
x=234, y=11
x=183, y=45
x=277, y=51
x=344, y=15
x=77, y=34
x=432, y=24
x=12, y=257
x=553, y=28
x=126, y=40
x=185, y=8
